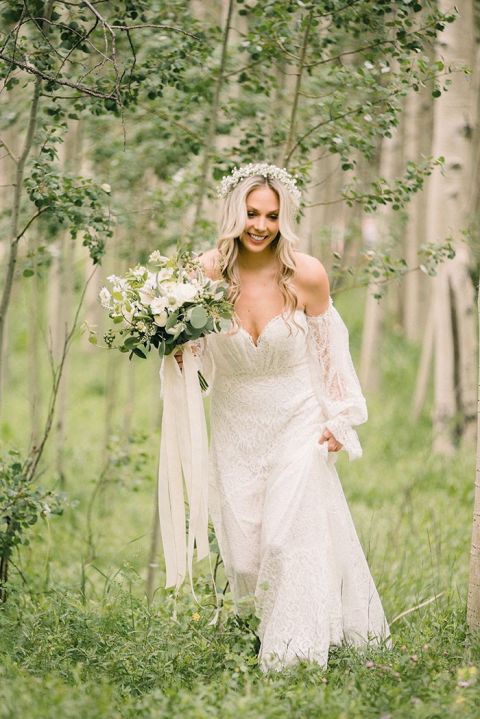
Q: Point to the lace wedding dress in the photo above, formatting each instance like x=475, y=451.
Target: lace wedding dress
x=283, y=526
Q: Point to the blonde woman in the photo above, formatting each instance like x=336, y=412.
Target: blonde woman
x=284, y=399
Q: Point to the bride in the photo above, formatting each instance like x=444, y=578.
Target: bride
x=284, y=399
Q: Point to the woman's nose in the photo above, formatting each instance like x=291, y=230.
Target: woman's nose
x=260, y=223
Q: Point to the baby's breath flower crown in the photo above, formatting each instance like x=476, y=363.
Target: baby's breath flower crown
x=260, y=168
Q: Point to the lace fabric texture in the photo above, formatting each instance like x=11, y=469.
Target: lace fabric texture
x=286, y=536
x=335, y=380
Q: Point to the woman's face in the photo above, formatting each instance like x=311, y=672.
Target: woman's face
x=262, y=219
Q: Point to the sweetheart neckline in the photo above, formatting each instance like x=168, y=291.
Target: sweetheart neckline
x=270, y=321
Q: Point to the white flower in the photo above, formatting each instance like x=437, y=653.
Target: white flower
x=176, y=329
x=141, y=326
x=158, y=304
x=369, y=65
x=106, y=188
x=384, y=69
x=178, y=293
x=105, y=298
x=161, y=318
x=146, y=295
x=186, y=292
x=138, y=272
x=264, y=170
x=156, y=257
x=368, y=118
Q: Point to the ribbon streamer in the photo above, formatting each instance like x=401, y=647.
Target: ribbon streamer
x=183, y=458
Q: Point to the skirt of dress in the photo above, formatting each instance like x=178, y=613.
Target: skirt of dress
x=285, y=533
x=283, y=526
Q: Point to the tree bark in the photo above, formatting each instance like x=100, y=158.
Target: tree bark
x=14, y=222
x=418, y=143
x=16, y=205
x=449, y=214
x=381, y=222
x=213, y=121
x=473, y=602
x=290, y=142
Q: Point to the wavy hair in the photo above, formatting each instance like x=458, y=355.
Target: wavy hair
x=232, y=224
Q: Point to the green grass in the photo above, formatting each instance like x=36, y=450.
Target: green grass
x=77, y=638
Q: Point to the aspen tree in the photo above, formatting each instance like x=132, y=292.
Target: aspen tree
x=449, y=214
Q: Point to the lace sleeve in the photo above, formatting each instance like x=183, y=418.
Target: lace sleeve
x=335, y=380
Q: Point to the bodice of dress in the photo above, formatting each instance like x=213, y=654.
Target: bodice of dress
x=294, y=353
x=280, y=349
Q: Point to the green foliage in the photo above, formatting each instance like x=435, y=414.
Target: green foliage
x=397, y=194
x=22, y=503
x=381, y=266
x=76, y=204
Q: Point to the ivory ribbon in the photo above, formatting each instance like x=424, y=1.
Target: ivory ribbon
x=183, y=457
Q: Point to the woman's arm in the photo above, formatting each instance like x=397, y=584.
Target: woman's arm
x=335, y=379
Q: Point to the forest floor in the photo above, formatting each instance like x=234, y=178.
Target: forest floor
x=78, y=639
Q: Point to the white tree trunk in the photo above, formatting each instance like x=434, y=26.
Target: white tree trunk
x=449, y=214
x=418, y=143
x=380, y=229
x=473, y=603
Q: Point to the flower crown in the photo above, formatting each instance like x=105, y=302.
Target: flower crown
x=263, y=169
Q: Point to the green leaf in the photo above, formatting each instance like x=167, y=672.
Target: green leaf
x=139, y=353
x=27, y=272
x=130, y=342
x=198, y=317
x=172, y=320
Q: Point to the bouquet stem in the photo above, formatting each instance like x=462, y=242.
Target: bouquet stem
x=203, y=381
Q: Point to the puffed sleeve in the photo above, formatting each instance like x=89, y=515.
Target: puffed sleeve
x=335, y=380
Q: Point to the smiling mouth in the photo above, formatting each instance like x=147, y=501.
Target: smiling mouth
x=257, y=238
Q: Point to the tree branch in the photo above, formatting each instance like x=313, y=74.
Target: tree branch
x=28, y=67
x=9, y=151
x=32, y=219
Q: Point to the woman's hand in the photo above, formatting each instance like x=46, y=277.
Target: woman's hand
x=332, y=444
x=179, y=357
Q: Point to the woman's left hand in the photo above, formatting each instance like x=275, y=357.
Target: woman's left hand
x=332, y=444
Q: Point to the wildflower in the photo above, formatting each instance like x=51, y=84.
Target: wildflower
x=105, y=298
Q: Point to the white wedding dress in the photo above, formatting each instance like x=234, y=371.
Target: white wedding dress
x=283, y=526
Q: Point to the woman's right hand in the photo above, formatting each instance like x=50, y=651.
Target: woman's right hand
x=179, y=357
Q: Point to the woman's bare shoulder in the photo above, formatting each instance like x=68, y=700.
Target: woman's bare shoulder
x=311, y=280
x=209, y=261
x=309, y=270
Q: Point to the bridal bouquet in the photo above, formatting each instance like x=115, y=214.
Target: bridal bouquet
x=164, y=305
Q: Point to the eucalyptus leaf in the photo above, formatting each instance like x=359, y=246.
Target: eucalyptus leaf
x=198, y=317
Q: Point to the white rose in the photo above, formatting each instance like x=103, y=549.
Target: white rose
x=161, y=318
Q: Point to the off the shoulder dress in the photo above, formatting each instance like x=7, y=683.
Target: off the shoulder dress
x=283, y=526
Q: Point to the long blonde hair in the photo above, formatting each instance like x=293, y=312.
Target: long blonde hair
x=232, y=224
